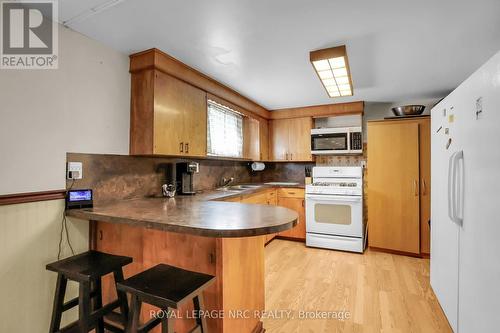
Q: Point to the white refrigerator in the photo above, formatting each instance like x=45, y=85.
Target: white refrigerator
x=465, y=208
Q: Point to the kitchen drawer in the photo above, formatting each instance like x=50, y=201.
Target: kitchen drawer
x=291, y=192
x=256, y=198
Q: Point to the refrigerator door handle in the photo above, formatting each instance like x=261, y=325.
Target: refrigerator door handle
x=453, y=198
x=450, y=186
x=457, y=199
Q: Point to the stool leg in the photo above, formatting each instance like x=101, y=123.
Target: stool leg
x=57, y=309
x=167, y=324
x=135, y=314
x=122, y=296
x=84, y=307
x=200, y=320
x=97, y=304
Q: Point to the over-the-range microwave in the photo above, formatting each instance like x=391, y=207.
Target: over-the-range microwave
x=341, y=140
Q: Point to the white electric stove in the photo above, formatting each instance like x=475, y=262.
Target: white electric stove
x=334, y=209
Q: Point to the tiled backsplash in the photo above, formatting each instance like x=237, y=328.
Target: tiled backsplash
x=123, y=177
x=341, y=160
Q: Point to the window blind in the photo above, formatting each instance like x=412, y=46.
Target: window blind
x=224, y=131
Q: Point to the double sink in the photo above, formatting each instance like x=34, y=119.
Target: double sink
x=238, y=188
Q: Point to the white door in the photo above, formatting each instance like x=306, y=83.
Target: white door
x=334, y=215
x=444, y=233
x=479, y=280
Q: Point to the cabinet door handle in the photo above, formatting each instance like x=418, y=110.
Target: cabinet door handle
x=424, y=187
x=415, y=187
x=291, y=156
x=100, y=234
x=187, y=147
x=181, y=147
x=303, y=203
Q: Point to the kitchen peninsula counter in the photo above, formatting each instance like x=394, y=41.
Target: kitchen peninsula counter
x=196, y=215
x=201, y=233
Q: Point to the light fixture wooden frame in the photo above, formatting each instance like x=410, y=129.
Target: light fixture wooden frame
x=329, y=55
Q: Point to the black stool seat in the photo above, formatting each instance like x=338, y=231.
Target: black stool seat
x=87, y=269
x=89, y=265
x=165, y=287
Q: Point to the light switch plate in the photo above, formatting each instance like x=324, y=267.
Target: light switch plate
x=74, y=170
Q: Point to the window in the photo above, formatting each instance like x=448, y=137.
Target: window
x=224, y=131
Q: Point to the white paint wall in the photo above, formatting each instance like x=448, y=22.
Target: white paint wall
x=377, y=111
x=29, y=240
x=81, y=107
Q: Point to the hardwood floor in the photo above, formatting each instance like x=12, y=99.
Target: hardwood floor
x=376, y=292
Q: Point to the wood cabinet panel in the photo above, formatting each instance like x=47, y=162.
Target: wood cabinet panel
x=299, y=137
x=142, y=113
x=278, y=146
x=251, y=138
x=257, y=198
x=290, y=139
x=291, y=193
x=180, y=124
x=264, y=139
x=393, y=186
x=298, y=205
x=425, y=185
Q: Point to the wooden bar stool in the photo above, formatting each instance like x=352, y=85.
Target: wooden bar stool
x=165, y=287
x=87, y=269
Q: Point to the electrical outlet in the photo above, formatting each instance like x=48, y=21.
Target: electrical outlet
x=74, y=170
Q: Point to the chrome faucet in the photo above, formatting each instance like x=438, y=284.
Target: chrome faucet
x=227, y=181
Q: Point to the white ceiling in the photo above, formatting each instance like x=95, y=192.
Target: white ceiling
x=398, y=49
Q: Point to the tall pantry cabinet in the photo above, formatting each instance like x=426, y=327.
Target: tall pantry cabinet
x=399, y=185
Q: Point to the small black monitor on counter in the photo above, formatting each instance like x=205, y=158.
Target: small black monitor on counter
x=76, y=199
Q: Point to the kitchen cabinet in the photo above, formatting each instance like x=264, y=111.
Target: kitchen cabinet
x=290, y=139
x=294, y=198
x=398, y=185
x=251, y=139
x=168, y=116
x=267, y=197
x=264, y=139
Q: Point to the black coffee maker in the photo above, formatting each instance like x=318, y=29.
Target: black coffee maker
x=185, y=173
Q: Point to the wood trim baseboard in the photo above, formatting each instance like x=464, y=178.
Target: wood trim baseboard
x=401, y=253
x=293, y=239
x=18, y=198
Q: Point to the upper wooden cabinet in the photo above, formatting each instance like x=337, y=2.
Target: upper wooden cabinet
x=168, y=116
x=251, y=139
x=290, y=139
x=398, y=185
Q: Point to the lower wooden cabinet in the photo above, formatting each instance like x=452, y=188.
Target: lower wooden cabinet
x=294, y=200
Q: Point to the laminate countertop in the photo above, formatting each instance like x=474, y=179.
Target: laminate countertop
x=203, y=214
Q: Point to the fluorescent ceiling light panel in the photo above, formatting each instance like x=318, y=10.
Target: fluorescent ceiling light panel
x=332, y=67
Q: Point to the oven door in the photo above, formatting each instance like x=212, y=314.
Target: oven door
x=334, y=215
x=329, y=142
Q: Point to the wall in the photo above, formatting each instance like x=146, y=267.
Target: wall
x=29, y=240
x=82, y=106
x=379, y=110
